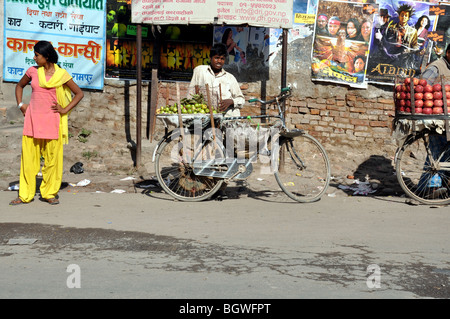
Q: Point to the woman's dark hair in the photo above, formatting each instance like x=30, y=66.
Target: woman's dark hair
x=417, y=25
x=362, y=57
x=357, y=25
x=47, y=50
x=219, y=49
x=226, y=35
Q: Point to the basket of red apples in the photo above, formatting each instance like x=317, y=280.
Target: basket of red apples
x=416, y=96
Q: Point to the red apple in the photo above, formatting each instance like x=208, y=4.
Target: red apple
x=407, y=109
x=438, y=103
x=398, y=87
x=407, y=81
x=428, y=96
x=427, y=110
x=418, y=110
x=402, y=103
x=448, y=102
x=408, y=96
x=401, y=109
x=428, y=88
x=437, y=95
x=418, y=88
x=447, y=95
x=428, y=103
x=418, y=96
x=415, y=81
x=437, y=87
x=423, y=82
x=438, y=110
x=408, y=103
x=447, y=88
x=418, y=103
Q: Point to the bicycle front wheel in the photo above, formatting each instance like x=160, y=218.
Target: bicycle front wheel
x=174, y=167
x=423, y=168
x=302, y=168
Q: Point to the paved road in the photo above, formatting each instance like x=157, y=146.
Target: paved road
x=144, y=245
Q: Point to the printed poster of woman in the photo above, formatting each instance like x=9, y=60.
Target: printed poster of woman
x=341, y=43
x=399, y=41
x=248, y=51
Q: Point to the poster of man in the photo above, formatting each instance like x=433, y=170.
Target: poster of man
x=400, y=40
x=440, y=38
x=340, y=50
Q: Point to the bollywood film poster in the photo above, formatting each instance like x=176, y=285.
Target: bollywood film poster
x=402, y=35
x=76, y=30
x=121, y=51
x=248, y=51
x=440, y=38
x=304, y=13
x=341, y=42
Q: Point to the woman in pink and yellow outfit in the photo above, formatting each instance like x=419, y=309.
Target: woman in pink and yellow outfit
x=45, y=128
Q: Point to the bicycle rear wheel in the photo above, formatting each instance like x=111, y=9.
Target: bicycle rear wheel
x=174, y=167
x=420, y=168
x=305, y=173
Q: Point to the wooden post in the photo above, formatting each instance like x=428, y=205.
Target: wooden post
x=154, y=102
x=444, y=98
x=138, y=94
x=211, y=114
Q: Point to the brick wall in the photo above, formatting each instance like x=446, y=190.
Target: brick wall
x=346, y=118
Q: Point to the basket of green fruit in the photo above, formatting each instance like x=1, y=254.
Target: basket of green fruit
x=193, y=110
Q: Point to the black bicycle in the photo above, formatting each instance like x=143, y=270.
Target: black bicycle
x=193, y=162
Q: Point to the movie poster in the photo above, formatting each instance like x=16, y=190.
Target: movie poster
x=121, y=43
x=400, y=40
x=304, y=12
x=440, y=38
x=248, y=51
x=341, y=42
x=178, y=59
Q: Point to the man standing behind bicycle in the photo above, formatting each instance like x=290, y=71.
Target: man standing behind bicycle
x=433, y=74
x=222, y=83
x=219, y=82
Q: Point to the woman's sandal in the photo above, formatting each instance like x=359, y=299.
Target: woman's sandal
x=17, y=201
x=52, y=201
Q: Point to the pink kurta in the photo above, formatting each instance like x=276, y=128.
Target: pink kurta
x=40, y=120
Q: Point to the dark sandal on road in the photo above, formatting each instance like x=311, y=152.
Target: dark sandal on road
x=52, y=201
x=16, y=202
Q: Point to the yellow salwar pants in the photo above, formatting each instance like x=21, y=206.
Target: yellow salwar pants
x=52, y=171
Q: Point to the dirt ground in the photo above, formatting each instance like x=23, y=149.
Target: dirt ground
x=348, y=168
x=108, y=158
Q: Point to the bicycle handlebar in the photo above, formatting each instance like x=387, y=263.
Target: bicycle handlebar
x=283, y=94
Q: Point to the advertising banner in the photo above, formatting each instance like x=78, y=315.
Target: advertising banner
x=121, y=48
x=248, y=49
x=341, y=42
x=262, y=13
x=75, y=28
x=440, y=38
x=178, y=59
x=400, y=40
